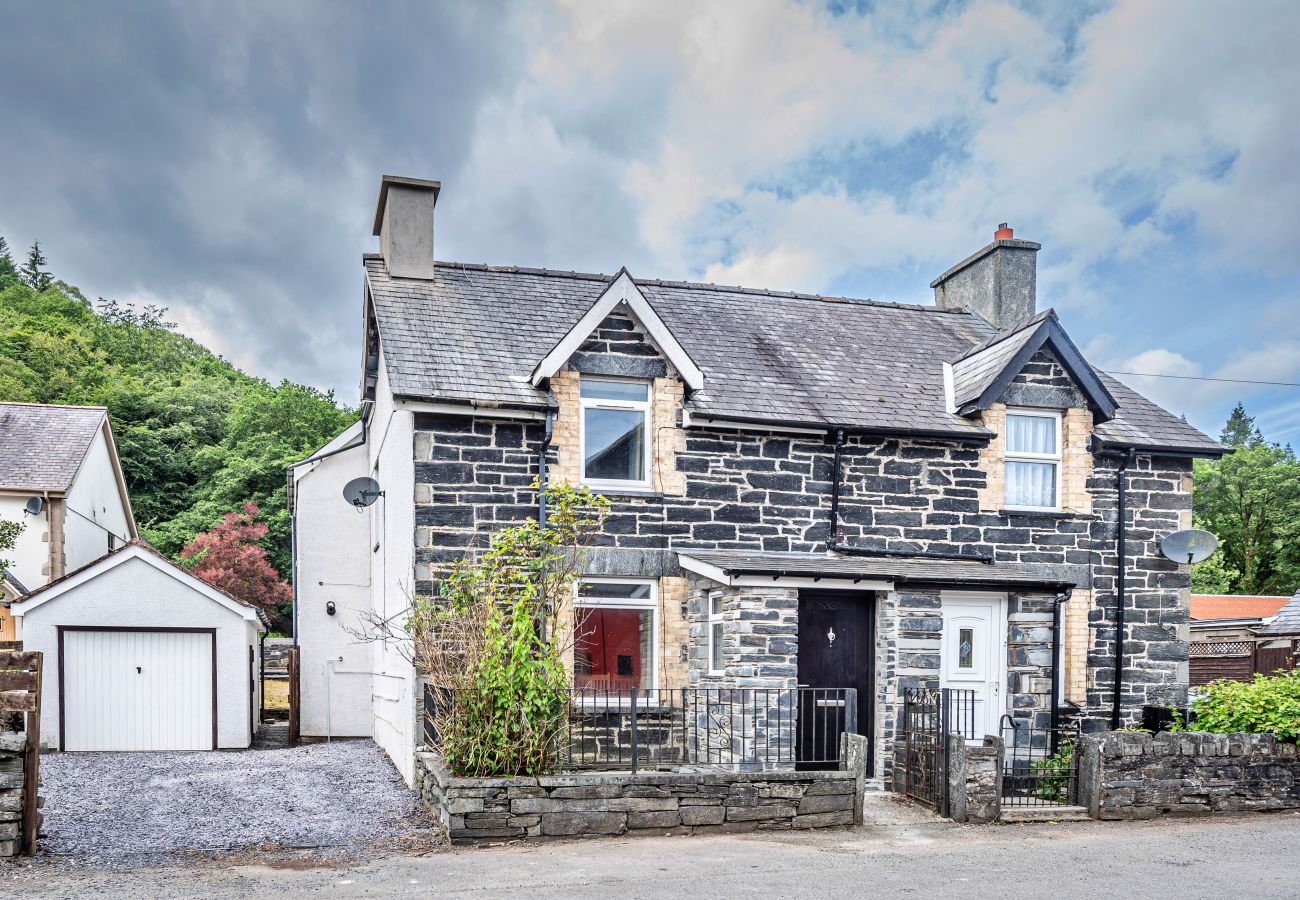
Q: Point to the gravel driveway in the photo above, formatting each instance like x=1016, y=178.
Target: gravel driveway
x=102, y=807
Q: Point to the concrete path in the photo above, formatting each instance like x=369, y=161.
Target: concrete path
x=914, y=856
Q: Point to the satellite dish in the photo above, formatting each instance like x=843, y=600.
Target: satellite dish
x=1190, y=546
x=34, y=506
x=361, y=492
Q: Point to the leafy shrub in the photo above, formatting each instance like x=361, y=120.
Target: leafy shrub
x=1053, y=775
x=495, y=642
x=1266, y=705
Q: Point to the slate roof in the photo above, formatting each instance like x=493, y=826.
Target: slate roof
x=897, y=569
x=41, y=447
x=1287, y=620
x=474, y=333
x=980, y=366
x=1208, y=607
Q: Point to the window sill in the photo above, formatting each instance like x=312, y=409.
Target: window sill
x=1044, y=514
x=644, y=493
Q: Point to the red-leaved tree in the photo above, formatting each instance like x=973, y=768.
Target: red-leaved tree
x=229, y=557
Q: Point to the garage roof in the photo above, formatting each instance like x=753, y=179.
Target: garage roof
x=136, y=550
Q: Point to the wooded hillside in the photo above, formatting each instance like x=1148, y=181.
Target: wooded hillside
x=198, y=438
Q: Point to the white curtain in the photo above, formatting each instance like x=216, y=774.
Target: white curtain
x=1031, y=434
x=1031, y=484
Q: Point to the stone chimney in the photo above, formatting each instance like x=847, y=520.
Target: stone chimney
x=998, y=282
x=404, y=224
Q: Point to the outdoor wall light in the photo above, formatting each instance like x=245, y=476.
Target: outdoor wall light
x=329, y=608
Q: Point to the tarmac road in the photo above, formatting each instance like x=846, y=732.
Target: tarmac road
x=913, y=856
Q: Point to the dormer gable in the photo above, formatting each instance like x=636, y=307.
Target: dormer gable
x=984, y=375
x=624, y=298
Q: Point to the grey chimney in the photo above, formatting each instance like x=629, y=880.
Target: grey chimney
x=998, y=282
x=404, y=224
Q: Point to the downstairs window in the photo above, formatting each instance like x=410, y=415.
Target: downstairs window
x=614, y=635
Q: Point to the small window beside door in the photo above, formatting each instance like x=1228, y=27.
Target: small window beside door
x=1033, y=460
x=717, y=662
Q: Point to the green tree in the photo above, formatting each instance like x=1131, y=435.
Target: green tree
x=1240, y=430
x=37, y=278
x=9, y=532
x=1251, y=500
x=8, y=271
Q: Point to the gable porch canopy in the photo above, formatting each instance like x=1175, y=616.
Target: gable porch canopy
x=881, y=573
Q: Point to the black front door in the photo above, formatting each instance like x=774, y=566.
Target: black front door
x=836, y=651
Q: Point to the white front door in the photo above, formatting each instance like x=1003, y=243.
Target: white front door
x=137, y=690
x=974, y=659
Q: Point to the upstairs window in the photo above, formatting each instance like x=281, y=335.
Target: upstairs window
x=615, y=432
x=1033, y=453
x=614, y=635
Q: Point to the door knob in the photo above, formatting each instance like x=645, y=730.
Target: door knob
x=137, y=670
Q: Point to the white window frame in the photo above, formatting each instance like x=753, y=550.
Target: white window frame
x=651, y=603
x=1010, y=456
x=715, y=619
x=642, y=406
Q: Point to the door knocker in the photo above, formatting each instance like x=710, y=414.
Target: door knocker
x=830, y=636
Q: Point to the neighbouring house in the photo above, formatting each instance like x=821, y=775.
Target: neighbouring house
x=1228, y=638
x=1227, y=617
x=807, y=491
x=61, y=478
x=142, y=655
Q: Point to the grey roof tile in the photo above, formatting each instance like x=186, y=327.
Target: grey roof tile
x=41, y=447
x=474, y=333
x=1287, y=620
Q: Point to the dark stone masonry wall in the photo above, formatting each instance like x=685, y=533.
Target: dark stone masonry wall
x=12, y=747
x=650, y=803
x=1140, y=776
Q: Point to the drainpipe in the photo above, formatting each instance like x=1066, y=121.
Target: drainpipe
x=832, y=542
x=1121, y=576
x=541, y=466
x=1061, y=600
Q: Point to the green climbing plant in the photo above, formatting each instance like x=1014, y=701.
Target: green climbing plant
x=495, y=640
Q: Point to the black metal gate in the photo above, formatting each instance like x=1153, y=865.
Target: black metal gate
x=1039, y=766
x=929, y=716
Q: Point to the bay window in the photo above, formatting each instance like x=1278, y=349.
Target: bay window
x=615, y=432
x=1033, y=459
x=614, y=634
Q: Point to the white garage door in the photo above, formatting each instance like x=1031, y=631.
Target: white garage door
x=137, y=690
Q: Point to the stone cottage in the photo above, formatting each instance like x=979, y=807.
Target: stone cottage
x=807, y=491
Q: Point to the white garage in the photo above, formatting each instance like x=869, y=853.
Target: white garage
x=142, y=655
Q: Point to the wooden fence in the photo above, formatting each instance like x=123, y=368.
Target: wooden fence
x=295, y=699
x=20, y=692
x=1237, y=660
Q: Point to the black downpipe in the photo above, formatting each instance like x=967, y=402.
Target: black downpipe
x=541, y=467
x=832, y=542
x=1121, y=576
x=1061, y=600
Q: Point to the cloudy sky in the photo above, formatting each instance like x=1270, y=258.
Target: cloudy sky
x=223, y=159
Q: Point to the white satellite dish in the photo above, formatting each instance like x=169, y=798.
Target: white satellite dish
x=1189, y=546
x=361, y=492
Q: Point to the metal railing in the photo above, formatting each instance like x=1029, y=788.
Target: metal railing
x=928, y=717
x=1038, y=765
x=734, y=728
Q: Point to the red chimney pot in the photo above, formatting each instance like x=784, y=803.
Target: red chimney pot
x=1003, y=233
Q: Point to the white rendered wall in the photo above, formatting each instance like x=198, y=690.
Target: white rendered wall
x=333, y=566
x=94, y=496
x=391, y=449
x=135, y=593
x=31, y=554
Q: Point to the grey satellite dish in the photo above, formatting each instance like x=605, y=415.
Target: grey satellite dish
x=34, y=506
x=1189, y=546
x=361, y=492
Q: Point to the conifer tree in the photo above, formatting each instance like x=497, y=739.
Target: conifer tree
x=8, y=271
x=37, y=278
